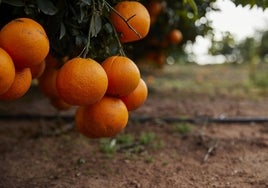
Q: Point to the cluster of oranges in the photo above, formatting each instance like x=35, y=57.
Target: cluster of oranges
x=115, y=85
x=174, y=36
x=103, y=92
x=23, y=48
x=157, y=42
x=118, y=90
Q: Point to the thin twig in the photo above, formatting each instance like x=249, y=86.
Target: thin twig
x=86, y=49
x=121, y=49
x=125, y=20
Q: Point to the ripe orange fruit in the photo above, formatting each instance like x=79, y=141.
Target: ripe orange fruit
x=38, y=70
x=47, y=82
x=151, y=55
x=59, y=104
x=154, y=9
x=7, y=71
x=105, y=118
x=175, y=36
x=137, y=97
x=132, y=15
x=25, y=41
x=158, y=58
x=53, y=62
x=81, y=81
x=80, y=122
x=161, y=59
x=123, y=75
x=21, y=84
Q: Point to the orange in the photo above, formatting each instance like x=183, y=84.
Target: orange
x=52, y=62
x=137, y=97
x=150, y=80
x=80, y=121
x=25, y=40
x=21, y=84
x=123, y=75
x=59, y=104
x=81, y=81
x=161, y=59
x=154, y=9
x=38, y=70
x=131, y=20
x=47, y=82
x=151, y=55
x=175, y=36
x=157, y=57
x=7, y=71
x=105, y=118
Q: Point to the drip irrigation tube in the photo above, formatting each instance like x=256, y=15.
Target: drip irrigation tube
x=144, y=119
x=203, y=120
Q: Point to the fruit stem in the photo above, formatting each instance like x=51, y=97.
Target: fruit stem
x=121, y=49
x=91, y=27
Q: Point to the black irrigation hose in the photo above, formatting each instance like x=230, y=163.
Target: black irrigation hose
x=144, y=119
x=203, y=120
x=23, y=117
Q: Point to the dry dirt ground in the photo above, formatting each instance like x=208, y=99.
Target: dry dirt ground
x=39, y=153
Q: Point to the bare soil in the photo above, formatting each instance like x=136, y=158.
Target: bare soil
x=40, y=153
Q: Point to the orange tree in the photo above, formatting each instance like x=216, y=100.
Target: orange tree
x=74, y=36
x=73, y=25
x=83, y=26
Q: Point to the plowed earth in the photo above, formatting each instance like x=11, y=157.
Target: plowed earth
x=37, y=152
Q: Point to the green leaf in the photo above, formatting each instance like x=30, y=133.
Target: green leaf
x=62, y=30
x=83, y=12
x=87, y=2
x=108, y=27
x=29, y=10
x=95, y=25
x=80, y=40
x=193, y=6
x=17, y=3
x=47, y=7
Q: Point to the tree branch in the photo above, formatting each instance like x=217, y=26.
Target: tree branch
x=126, y=20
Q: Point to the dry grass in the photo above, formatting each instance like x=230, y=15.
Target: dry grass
x=228, y=80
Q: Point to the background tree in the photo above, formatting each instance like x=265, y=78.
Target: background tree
x=71, y=24
x=226, y=46
x=248, y=50
x=74, y=25
x=263, y=48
